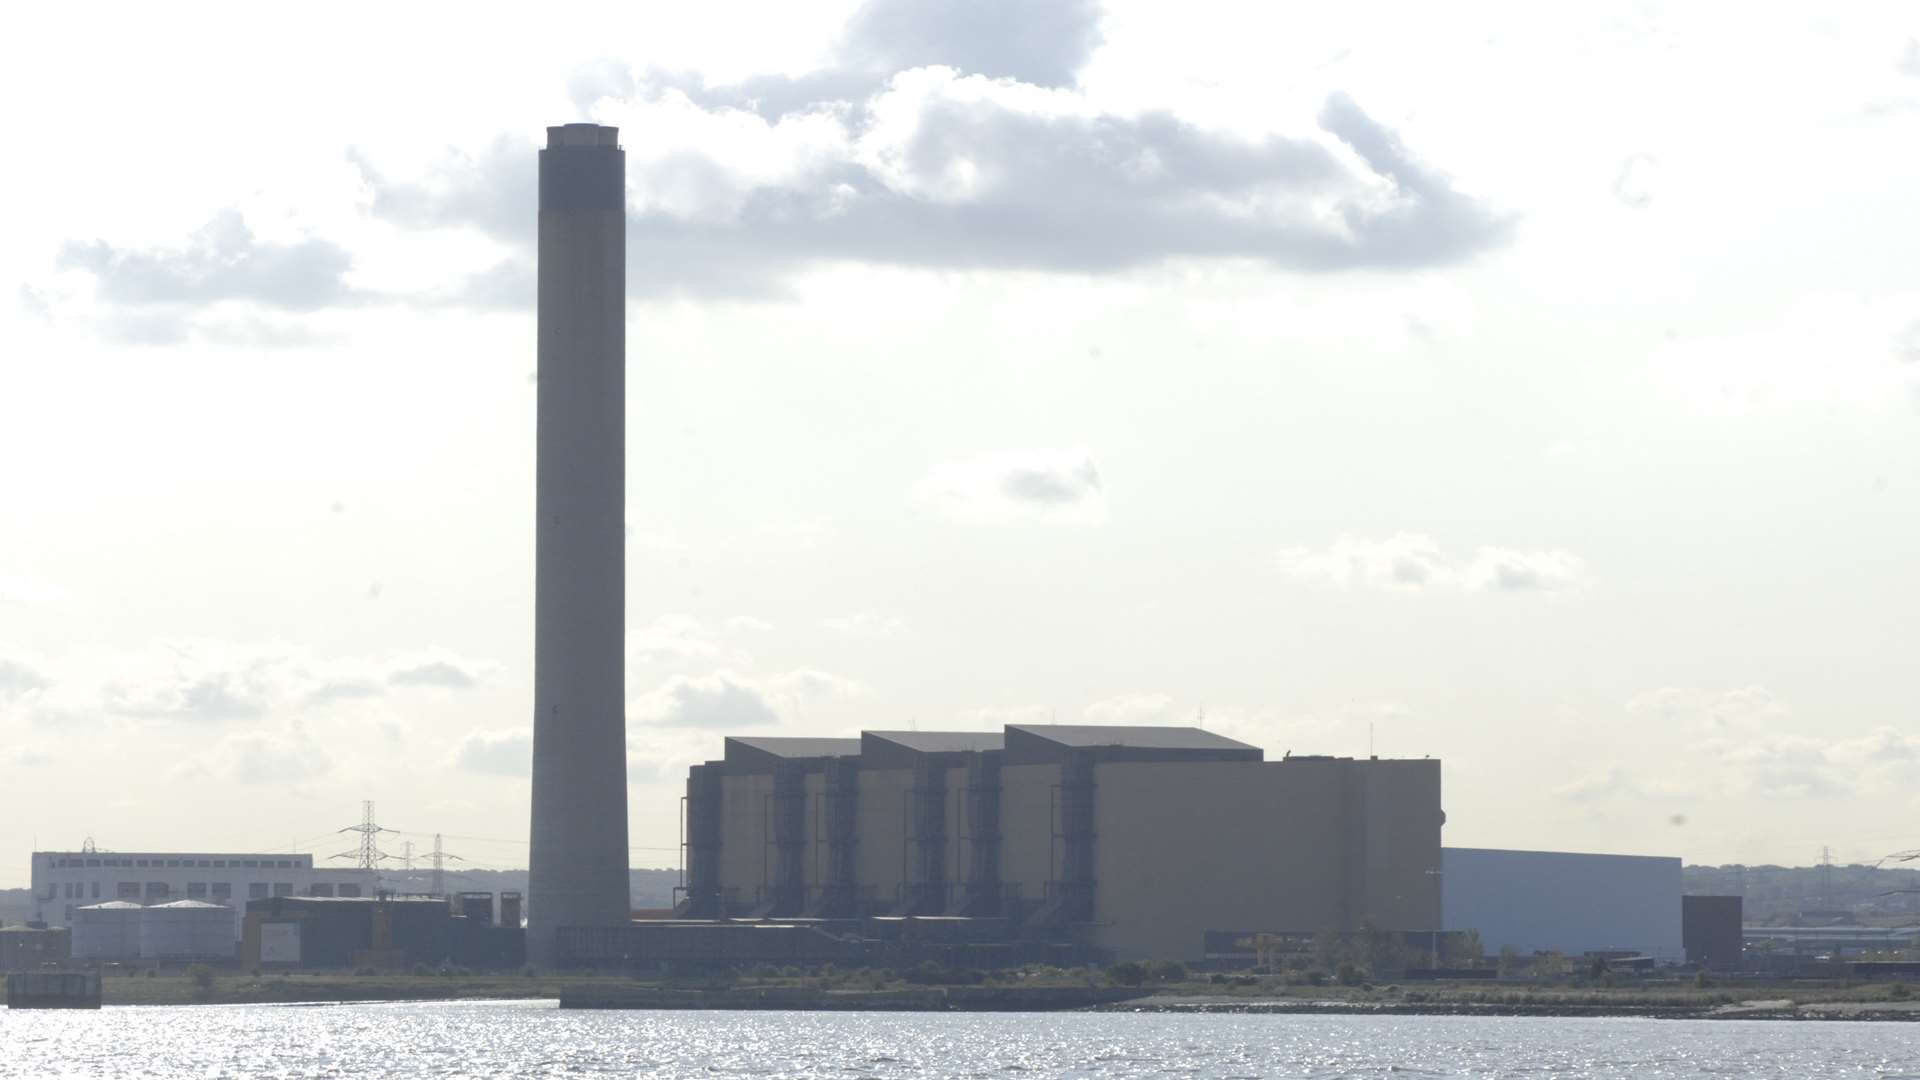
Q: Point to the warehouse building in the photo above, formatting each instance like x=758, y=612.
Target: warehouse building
x=1571, y=903
x=1132, y=841
x=63, y=882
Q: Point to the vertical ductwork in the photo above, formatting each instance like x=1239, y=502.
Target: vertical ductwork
x=578, y=842
x=925, y=892
x=703, y=899
x=839, y=888
x=788, y=894
x=1075, y=887
x=982, y=894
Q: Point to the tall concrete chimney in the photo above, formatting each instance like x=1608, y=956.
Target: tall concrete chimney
x=578, y=856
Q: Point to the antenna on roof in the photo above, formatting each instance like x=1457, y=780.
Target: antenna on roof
x=1200, y=721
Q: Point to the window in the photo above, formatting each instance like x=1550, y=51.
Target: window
x=66, y=891
x=173, y=862
x=96, y=890
x=129, y=890
x=257, y=891
x=284, y=864
x=319, y=890
x=139, y=862
x=281, y=888
x=93, y=862
x=196, y=890
x=222, y=890
x=252, y=862
x=158, y=890
x=219, y=864
x=349, y=890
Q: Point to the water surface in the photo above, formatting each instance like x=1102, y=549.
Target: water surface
x=515, y=1039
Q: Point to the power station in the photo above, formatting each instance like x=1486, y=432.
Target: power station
x=578, y=855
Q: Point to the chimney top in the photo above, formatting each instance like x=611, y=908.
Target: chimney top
x=568, y=135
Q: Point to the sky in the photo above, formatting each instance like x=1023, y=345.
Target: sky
x=1532, y=387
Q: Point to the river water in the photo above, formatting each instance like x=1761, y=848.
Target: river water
x=514, y=1039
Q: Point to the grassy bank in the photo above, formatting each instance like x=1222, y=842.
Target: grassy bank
x=1643, y=998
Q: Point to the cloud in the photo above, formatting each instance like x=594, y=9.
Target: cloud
x=1634, y=184
x=948, y=135
x=748, y=624
x=1742, y=711
x=442, y=670
x=19, y=680
x=719, y=701
x=672, y=639
x=152, y=294
x=1043, y=44
x=1414, y=562
x=344, y=689
x=1909, y=62
x=1135, y=709
x=504, y=753
x=214, y=682
x=866, y=626
x=288, y=756
x=27, y=759
x=1054, y=485
x=812, y=684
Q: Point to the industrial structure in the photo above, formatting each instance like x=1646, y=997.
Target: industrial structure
x=1126, y=842
x=578, y=853
x=1565, y=902
x=63, y=882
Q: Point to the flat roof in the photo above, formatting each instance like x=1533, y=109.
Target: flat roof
x=1149, y=738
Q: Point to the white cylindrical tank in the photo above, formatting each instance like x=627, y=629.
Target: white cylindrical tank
x=186, y=930
x=109, y=931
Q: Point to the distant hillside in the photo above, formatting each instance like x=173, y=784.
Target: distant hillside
x=650, y=888
x=16, y=906
x=1781, y=895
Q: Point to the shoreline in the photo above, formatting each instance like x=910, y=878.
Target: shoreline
x=601, y=992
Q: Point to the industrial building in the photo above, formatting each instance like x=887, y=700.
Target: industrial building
x=1710, y=931
x=28, y=948
x=386, y=932
x=1131, y=842
x=63, y=882
x=1564, y=902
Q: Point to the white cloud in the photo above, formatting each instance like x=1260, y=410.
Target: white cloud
x=1745, y=710
x=1032, y=485
x=1137, y=709
x=288, y=756
x=18, y=679
x=27, y=759
x=719, y=701
x=748, y=624
x=438, y=668
x=812, y=684
x=866, y=626
x=1414, y=562
x=507, y=752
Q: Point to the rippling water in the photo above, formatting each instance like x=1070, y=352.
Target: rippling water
x=511, y=1039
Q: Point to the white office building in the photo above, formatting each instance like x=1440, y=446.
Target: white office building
x=66, y=881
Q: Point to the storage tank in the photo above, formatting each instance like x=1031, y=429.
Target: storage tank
x=109, y=931
x=186, y=930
